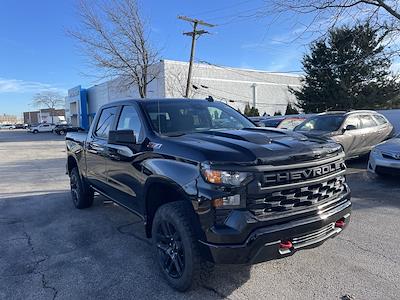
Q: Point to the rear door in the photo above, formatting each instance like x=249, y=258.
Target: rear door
x=385, y=129
x=96, y=148
x=123, y=164
x=371, y=132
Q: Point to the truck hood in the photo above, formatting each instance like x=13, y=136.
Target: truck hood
x=253, y=146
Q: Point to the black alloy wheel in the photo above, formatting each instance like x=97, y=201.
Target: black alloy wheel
x=170, y=249
x=176, y=246
x=75, y=189
x=82, y=194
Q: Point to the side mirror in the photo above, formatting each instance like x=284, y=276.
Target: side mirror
x=349, y=127
x=121, y=137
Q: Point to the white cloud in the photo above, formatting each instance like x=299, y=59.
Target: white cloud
x=22, y=86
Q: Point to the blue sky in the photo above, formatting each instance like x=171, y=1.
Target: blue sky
x=36, y=54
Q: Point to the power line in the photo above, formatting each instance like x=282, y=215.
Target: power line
x=211, y=11
x=234, y=94
x=247, y=75
x=194, y=34
x=240, y=96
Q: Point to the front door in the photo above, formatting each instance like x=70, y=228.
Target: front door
x=123, y=163
x=45, y=128
x=351, y=140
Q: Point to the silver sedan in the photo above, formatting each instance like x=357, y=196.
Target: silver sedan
x=384, y=159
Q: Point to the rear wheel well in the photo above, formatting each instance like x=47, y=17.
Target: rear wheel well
x=159, y=194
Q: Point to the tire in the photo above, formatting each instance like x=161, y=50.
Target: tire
x=82, y=195
x=61, y=132
x=35, y=131
x=176, y=246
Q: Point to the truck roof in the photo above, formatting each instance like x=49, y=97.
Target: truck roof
x=127, y=100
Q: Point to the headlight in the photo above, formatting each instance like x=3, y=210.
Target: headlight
x=224, y=177
x=375, y=151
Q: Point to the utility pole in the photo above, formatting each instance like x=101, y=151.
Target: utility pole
x=194, y=35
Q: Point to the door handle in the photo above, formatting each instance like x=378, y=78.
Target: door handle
x=94, y=148
x=114, y=156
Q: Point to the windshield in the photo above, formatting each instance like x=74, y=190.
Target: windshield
x=290, y=123
x=322, y=123
x=182, y=116
x=272, y=122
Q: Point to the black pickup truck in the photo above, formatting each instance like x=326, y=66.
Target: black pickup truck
x=209, y=185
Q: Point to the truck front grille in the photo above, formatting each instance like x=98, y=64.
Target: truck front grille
x=265, y=198
x=305, y=196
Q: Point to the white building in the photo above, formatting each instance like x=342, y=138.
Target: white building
x=237, y=87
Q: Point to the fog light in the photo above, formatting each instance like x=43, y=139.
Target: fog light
x=227, y=201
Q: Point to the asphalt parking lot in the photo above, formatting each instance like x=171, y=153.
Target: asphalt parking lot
x=49, y=249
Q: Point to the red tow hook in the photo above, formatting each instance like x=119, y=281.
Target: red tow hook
x=340, y=223
x=285, y=245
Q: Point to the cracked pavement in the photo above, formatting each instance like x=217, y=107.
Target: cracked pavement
x=50, y=250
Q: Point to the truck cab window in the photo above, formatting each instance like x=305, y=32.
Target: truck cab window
x=105, y=122
x=129, y=119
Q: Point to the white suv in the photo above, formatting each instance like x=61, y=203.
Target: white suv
x=42, y=128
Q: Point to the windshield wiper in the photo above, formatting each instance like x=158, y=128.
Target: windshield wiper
x=174, y=134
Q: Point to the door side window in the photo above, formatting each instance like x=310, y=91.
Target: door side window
x=129, y=119
x=105, y=122
x=367, y=121
x=353, y=120
x=380, y=119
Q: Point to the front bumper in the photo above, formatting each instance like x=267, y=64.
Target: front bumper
x=264, y=243
x=378, y=164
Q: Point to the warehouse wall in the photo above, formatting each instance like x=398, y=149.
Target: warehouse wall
x=230, y=84
x=114, y=90
x=236, y=87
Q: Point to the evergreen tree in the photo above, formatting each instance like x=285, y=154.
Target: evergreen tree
x=291, y=109
x=251, y=111
x=348, y=70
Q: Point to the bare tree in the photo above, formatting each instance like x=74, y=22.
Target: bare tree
x=114, y=39
x=326, y=14
x=175, y=83
x=50, y=100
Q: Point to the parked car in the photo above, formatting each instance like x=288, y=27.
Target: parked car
x=20, y=126
x=357, y=131
x=257, y=121
x=43, y=127
x=63, y=129
x=283, y=122
x=7, y=126
x=384, y=158
x=208, y=184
